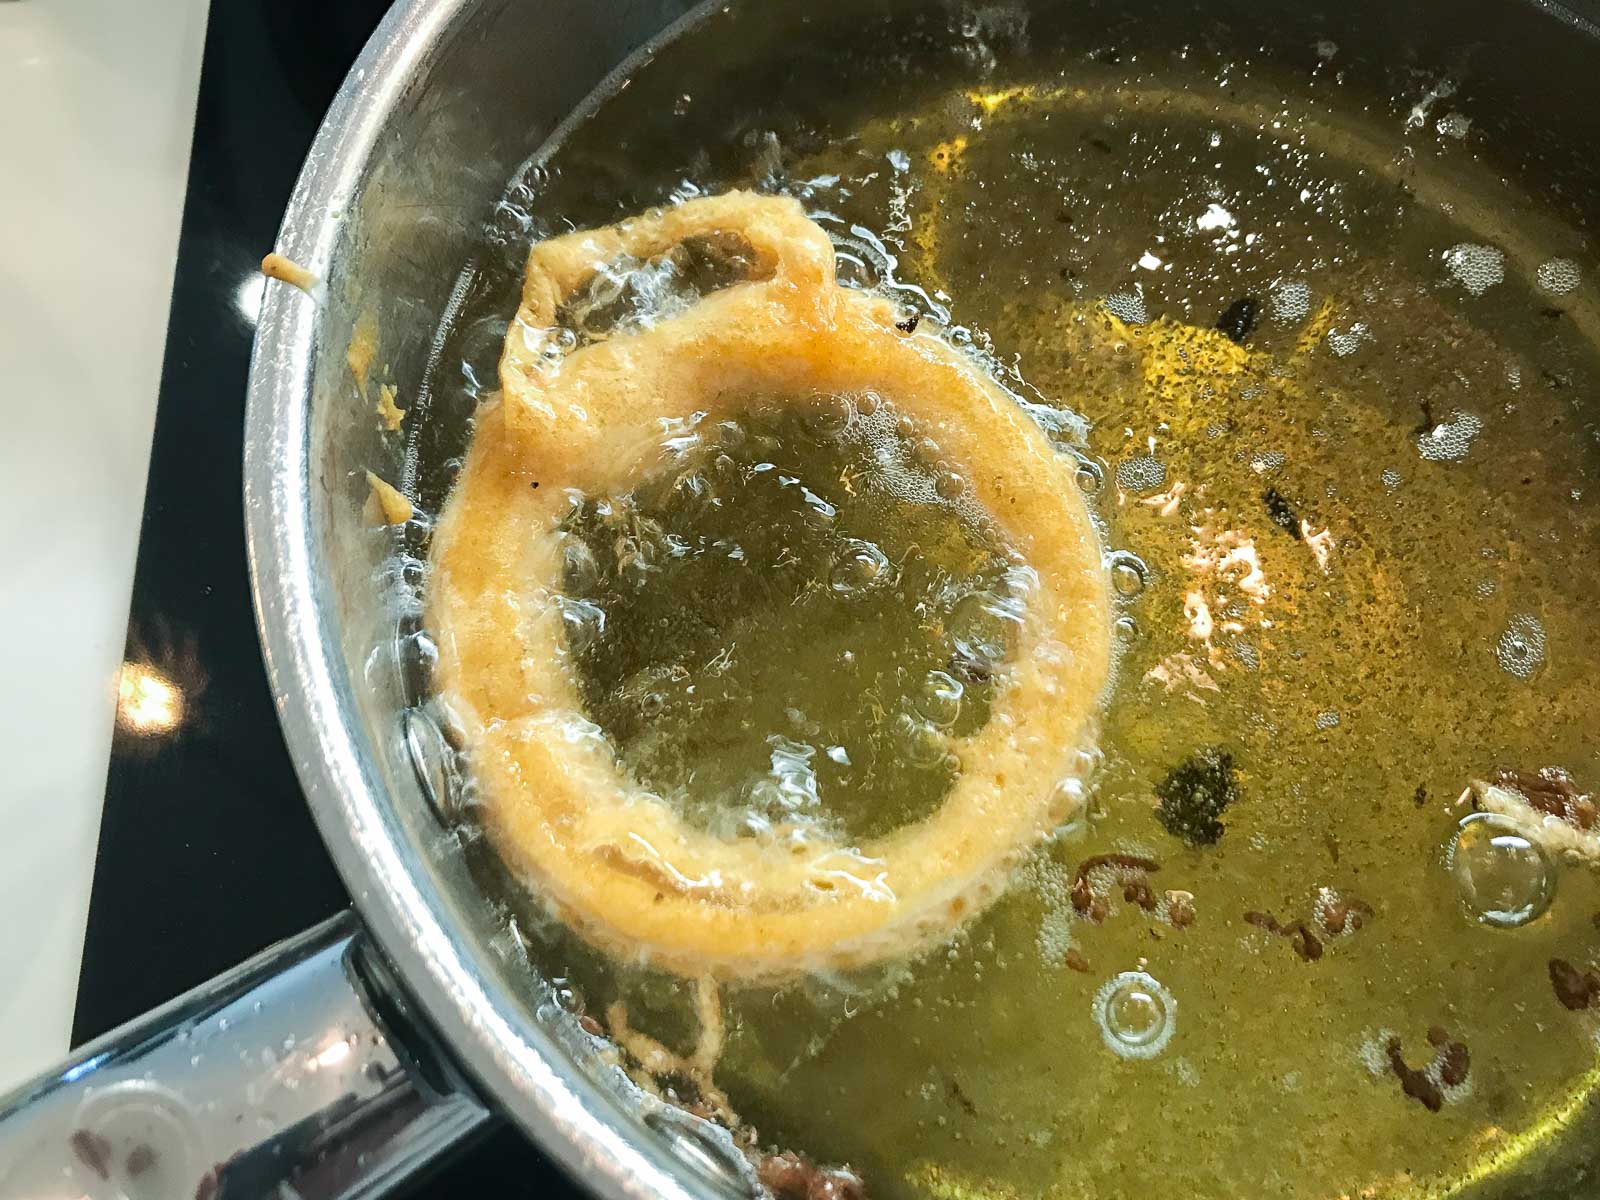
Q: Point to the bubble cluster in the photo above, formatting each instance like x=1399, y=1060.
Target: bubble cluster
x=1558, y=276
x=1290, y=301
x=1142, y=473
x=1449, y=441
x=1128, y=306
x=1505, y=878
x=1135, y=1014
x=1521, y=648
x=1476, y=268
x=1454, y=125
x=1345, y=342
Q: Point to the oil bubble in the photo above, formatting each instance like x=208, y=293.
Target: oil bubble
x=582, y=621
x=860, y=567
x=1126, y=629
x=921, y=744
x=1521, y=648
x=1090, y=478
x=1128, y=574
x=434, y=764
x=939, y=700
x=826, y=417
x=949, y=485
x=985, y=626
x=1505, y=878
x=1135, y=1014
x=1070, y=802
x=580, y=569
x=417, y=658
x=567, y=994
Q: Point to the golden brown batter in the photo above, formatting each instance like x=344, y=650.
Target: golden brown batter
x=617, y=862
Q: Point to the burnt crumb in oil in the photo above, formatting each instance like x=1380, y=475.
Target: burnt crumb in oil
x=1343, y=914
x=1238, y=321
x=964, y=1101
x=1552, y=792
x=1577, y=990
x=1195, y=794
x=791, y=1176
x=1306, y=943
x=1414, y=1083
x=1130, y=870
x=1451, y=1062
x=1282, y=512
x=909, y=324
x=1450, y=1056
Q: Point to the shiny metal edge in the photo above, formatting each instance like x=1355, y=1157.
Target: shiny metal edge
x=514, y=1063
x=279, y=1077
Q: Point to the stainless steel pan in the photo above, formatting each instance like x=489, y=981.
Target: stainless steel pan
x=340, y=1063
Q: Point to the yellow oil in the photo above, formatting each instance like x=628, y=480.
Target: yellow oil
x=1355, y=552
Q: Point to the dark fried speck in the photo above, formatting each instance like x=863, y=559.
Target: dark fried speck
x=1194, y=795
x=1575, y=989
x=1238, y=321
x=1282, y=512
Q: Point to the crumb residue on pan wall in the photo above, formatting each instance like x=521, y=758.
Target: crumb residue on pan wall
x=362, y=350
x=276, y=266
x=386, y=505
x=389, y=412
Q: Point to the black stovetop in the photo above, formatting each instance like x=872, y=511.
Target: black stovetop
x=207, y=852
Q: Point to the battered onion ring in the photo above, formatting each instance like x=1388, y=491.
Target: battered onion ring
x=616, y=862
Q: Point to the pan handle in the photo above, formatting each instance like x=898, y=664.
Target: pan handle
x=302, y=1073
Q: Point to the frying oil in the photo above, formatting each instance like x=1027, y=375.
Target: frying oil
x=1334, y=417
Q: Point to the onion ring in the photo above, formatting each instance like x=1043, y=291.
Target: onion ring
x=616, y=863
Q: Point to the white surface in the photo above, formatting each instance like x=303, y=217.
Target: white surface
x=95, y=124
